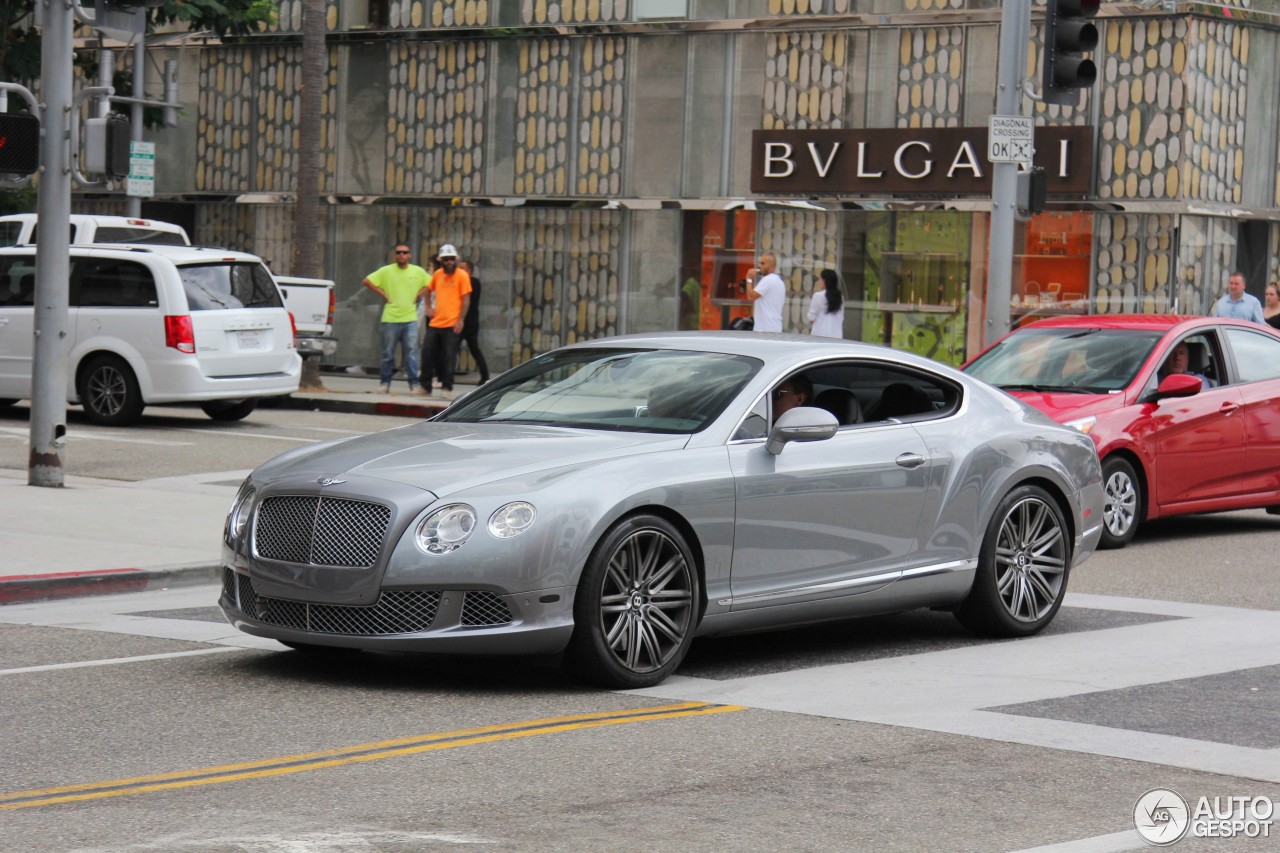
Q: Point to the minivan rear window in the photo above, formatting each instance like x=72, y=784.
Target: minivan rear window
x=214, y=287
x=9, y=233
x=148, y=236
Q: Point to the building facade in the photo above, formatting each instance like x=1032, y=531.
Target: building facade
x=594, y=158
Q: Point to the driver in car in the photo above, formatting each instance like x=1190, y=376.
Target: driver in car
x=1179, y=361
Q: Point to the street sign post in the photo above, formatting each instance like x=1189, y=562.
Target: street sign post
x=1009, y=139
x=142, y=169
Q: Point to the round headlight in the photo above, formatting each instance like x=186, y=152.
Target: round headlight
x=512, y=519
x=446, y=529
x=240, y=512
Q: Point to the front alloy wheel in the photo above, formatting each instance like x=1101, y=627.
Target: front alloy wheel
x=635, y=608
x=1022, y=568
x=1122, y=503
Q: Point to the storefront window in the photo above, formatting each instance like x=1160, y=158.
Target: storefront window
x=1051, y=270
x=719, y=250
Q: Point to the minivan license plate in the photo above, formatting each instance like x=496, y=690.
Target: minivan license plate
x=250, y=339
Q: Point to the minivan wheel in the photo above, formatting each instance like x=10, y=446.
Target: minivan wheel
x=4, y=404
x=230, y=410
x=109, y=392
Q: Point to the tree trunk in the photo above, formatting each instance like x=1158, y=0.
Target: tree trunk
x=307, y=261
x=306, y=212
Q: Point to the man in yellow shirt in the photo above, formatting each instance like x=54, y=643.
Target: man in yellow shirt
x=452, y=289
x=400, y=284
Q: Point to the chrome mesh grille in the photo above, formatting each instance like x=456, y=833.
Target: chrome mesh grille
x=395, y=612
x=481, y=607
x=320, y=531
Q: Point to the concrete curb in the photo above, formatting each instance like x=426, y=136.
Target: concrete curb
x=21, y=589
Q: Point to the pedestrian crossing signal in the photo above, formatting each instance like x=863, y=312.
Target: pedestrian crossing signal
x=19, y=144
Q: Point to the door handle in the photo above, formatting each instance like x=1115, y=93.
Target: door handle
x=910, y=460
x=1228, y=408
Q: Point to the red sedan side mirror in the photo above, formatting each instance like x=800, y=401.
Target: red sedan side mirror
x=1179, y=385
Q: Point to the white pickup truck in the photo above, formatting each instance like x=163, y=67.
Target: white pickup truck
x=311, y=302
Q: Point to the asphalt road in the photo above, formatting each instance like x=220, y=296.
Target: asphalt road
x=145, y=723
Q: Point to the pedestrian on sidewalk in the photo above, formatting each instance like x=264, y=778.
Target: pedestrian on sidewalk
x=471, y=324
x=1238, y=304
x=452, y=290
x=401, y=284
x=769, y=294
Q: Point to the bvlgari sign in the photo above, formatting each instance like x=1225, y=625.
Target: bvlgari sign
x=906, y=161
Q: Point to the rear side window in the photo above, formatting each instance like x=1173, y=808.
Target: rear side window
x=214, y=287
x=17, y=281
x=148, y=236
x=9, y=233
x=1257, y=355
x=111, y=283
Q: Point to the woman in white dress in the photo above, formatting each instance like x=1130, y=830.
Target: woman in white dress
x=826, y=308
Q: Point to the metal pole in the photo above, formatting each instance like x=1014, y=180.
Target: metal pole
x=139, y=92
x=53, y=261
x=1015, y=32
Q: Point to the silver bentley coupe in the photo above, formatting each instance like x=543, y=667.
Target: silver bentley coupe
x=607, y=502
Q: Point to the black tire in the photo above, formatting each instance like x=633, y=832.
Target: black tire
x=109, y=392
x=6, y=403
x=1122, y=509
x=1022, y=567
x=636, y=605
x=230, y=410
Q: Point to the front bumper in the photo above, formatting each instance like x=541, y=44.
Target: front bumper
x=423, y=620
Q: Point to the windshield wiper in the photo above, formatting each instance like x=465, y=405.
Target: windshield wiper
x=1047, y=389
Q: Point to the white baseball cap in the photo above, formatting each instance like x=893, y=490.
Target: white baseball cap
x=447, y=251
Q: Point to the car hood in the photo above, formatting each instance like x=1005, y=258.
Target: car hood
x=1067, y=407
x=443, y=458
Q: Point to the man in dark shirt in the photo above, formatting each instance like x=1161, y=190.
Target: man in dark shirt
x=471, y=326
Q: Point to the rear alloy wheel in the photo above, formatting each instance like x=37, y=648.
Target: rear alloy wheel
x=230, y=410
x=1022, y=567
x=635, y=609
x=109, y=392
x=1122, y=503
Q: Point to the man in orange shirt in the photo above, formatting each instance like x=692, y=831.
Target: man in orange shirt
x=452, y=289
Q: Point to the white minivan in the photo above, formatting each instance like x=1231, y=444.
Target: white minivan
x=156, y=324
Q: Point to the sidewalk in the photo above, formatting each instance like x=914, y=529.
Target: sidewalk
x=97, y=536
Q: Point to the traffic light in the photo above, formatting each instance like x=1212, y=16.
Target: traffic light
x=1068, y=35
x=19, y=144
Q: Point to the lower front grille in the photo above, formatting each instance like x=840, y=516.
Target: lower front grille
x=480, y=607
x=395, y=612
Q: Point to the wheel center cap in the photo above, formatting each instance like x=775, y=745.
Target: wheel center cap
x=1022, y=561
x=637, y=601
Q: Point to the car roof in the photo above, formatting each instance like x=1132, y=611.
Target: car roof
x=1143, y=322
x=176, y=254
x=767, y=346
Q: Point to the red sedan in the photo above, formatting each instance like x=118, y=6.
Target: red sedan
x=1185, y=411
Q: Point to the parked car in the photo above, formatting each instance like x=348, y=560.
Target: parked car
x=148, y=325
x=19, y=229
x=311, y=303
x=1169, y=444
x=611, y=500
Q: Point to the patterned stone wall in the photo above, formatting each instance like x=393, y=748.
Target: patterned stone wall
x=230, y=225
x=225, y=124
x=571, y=11
x=805, y=242
x=438, y=105
x=1141, y=130
x=1206, y=257
x=930, y=77
x=566, y=271
x=1217, y=83
x=601, y=124
x=814, y=7
x=805, y=82
x=542, y=117
x=1135, y=264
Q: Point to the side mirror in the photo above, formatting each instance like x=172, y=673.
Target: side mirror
x=803, y=423
x=1179, y=385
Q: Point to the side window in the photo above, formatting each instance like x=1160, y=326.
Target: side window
x=1197, y=355
x=755, y=424
x=112, y=283
x=1257, y=355
x=871, y=391
x=17, y=281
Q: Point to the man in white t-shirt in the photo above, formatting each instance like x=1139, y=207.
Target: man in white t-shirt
x=769, y=294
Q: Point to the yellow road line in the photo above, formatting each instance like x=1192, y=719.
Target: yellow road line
x=338, y=757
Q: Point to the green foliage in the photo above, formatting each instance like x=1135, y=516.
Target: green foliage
x=17, y=200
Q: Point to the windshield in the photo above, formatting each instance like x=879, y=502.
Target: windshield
x=1069, y=360
x=211, y=287
x=663, y=391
